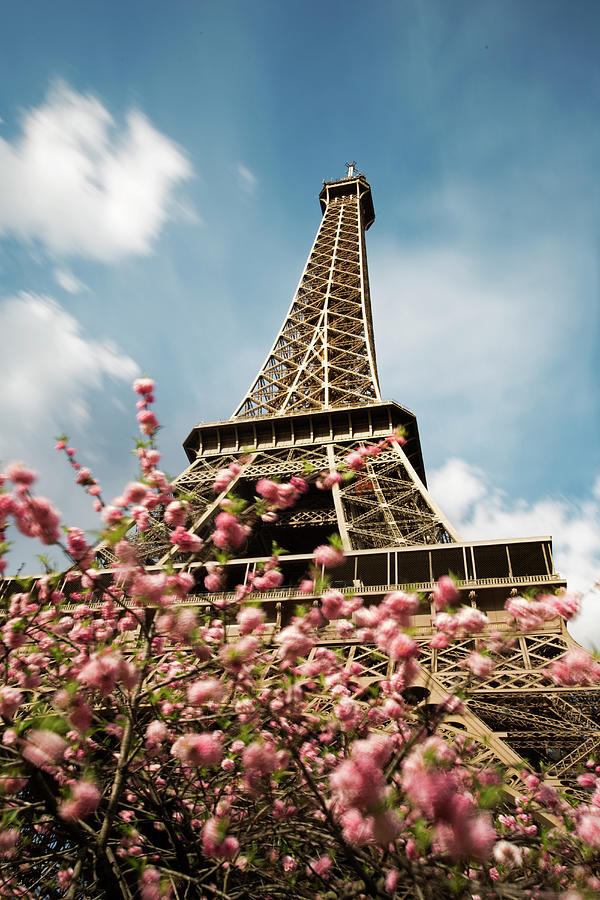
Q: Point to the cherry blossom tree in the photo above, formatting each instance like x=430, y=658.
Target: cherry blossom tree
x=153, y=748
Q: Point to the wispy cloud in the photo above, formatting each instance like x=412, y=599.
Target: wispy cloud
x=247, y=179
x=78, y=185
x=69, y=282
x=481, y=511
x=50, y=366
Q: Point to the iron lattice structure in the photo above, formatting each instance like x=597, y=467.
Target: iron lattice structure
x=315, y=399
x=324, y=355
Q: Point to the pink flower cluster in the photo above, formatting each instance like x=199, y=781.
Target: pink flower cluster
x=356, y=459
x=107, y=668
x=84, y=476
x=575, y=667
x=328, y=556
x=268, y=578
x=445, y=593
x=432, y=780
x=42, y=748
x=281, y=496
x=213, y=580
x=83, y=801
x=531, y=614
x=224, y=477
x=185, y=541
x=229, y=532
x=204, y=749
x=360, y=792
x=34, y=516
x=295, y=640
x=147, y=420
x=215, y=840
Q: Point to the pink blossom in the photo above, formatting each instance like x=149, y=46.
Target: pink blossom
x=200, y=692
x=36, y=517
x=229, y=532
x=199, y=749
x=446, y=623
x=507, y=854
x=575, y=667
x=358, y=782
x=185, y=540
x=143, y=386
x=332, y=603
x=268, y=580
x=150, y=884
x=10, y=737
x=80, y=716
x=320, y=866
x=289, y=864
x=401, y=606
x=530, y=614
x=327, y=480
x=328, y=556
x=105, y=669
x=84, y=799
x=294, y=642
x=148, y=422
x=355, y=461
x=281, y=496
x=393, y=640
x=8, y=841
x=43, y=747
x=10, y=700
x=250, y=619
x=84, y=476
x=112, y=514
x=588, y=780
x=134, y=492
x=77, y=544
x=216, y=842
x=471, y=620
x=357, y=827
x=212, y=582
x=299, y=484
x=480, y=665
x=588, y=829
x=468, y=834
x=175, y=513
x=445, y=593
x=349, y=713
x=307, y=586
x=149, y=587
x=260, y=759
x=565, y=605
x=156, y=732
x=439, y=641
x=22, y=477
x=391, y=880
x=222, y=480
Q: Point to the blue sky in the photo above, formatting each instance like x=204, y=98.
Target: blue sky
x=159, y=171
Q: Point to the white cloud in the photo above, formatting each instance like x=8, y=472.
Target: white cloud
x=49, y=367
x=481, y=511
x=246, y=178
x=69, y=282
x=459, y=320
x=79, y=186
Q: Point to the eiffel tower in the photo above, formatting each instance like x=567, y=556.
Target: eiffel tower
x=317, y=398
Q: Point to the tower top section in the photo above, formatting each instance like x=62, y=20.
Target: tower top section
x=324, y=355
x=354, y=184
